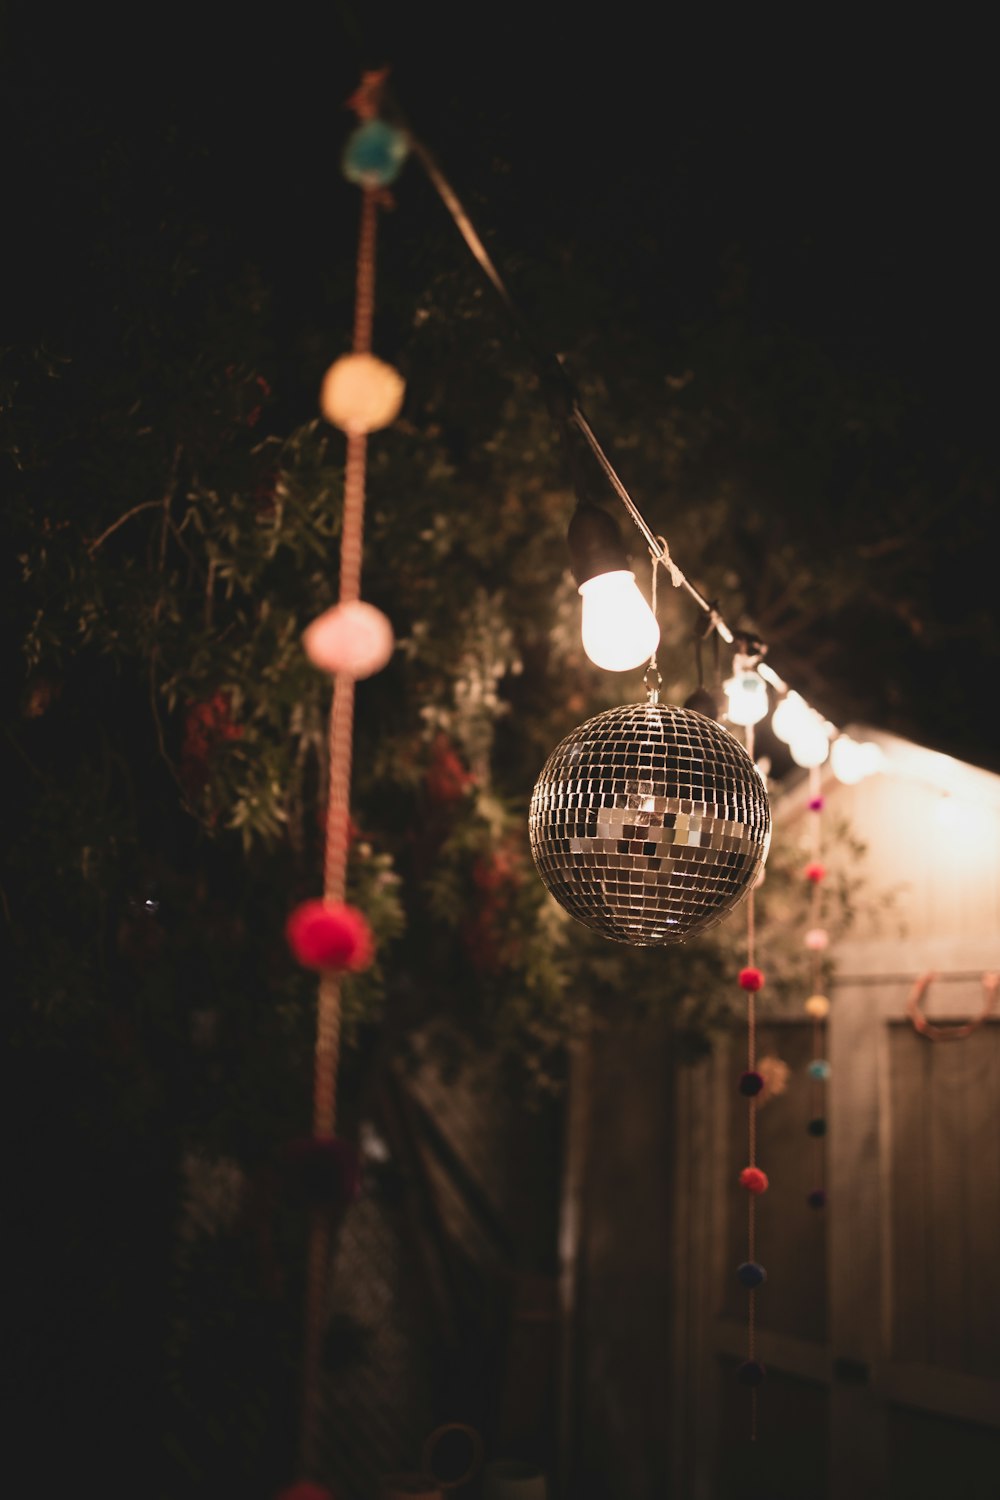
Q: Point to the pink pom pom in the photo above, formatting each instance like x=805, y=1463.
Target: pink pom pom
x=751, y=979
x=354, y=638
x=330, y=936
x=817, y=939
x=815, y=872
x=815, y=804
x=754, y=1180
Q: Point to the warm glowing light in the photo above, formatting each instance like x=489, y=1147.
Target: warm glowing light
x=810, y=744
x=619, y=629
x=746, y=697
x=790, y=715
x=853, y=760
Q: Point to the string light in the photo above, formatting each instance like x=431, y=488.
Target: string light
x=618, y=628
x=852, y=760
x=812, y=747
x=746, y=694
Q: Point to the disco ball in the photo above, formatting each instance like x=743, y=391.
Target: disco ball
x=649, y=823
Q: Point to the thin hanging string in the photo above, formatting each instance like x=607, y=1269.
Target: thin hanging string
x=751, y=1129
x=341, y=733
x=818, y=1089
x=664, y=560
x=549, y=367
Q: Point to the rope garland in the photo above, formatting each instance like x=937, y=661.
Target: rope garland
x=341, y=731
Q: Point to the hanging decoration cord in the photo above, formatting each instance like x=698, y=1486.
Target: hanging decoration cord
x=751, y=1132
x=818, y=1069
x=341, y=729
x=955, y=1032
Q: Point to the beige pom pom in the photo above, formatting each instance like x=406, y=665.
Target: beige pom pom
x=361, y=393
x=818, y=1006
x=355, y=639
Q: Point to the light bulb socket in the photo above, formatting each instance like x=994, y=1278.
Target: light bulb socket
x=595, y=543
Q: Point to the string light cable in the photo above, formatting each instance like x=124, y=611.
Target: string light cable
x=566, y=405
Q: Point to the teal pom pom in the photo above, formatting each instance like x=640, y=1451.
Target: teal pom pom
x=820, y=1069
x=374, y=154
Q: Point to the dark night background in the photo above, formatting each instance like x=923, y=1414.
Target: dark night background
x=807, y=217
x=778, y=238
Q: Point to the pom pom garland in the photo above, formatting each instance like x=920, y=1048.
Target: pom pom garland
x=817, y=1006
x=815, y=872
x=754, y=1180
x=330, y=936
x=817, y=1198
x=817, y=938
x=751, y=979
x=354, y=638
x=750, y=1274
x=751, y=1083
x=819, y=1068
x=751, y=1372
x=361, y=393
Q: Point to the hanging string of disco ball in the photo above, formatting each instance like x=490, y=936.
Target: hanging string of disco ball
x=650, y=822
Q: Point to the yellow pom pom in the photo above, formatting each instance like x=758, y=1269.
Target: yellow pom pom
x=361, y=393
x=818, y=1006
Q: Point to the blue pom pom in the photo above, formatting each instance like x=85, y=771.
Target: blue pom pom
x=817, y=1198
x=750, y=1084
x=374, y=154
x=751, y=1274
x=819, y=1068
x=751, y=1372
x=817, y=1127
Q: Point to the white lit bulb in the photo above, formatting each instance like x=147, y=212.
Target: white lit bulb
x=746, y=697
x=853, y=760
x=811, y=744
x=619, y=629
x=790, y=715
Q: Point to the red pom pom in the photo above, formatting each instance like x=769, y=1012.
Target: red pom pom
x=754, y=1180
x=329, y=935
x=815, y=872
x=751, y=979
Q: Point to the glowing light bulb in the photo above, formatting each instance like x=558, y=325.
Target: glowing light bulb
x=619, y=629
x=746, y=696
x=791, y=713
x=853, y=760
x=811, y=744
